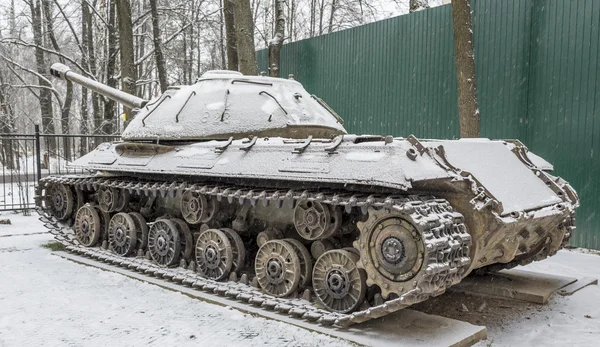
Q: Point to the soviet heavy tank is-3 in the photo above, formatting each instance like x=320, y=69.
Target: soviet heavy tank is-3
x=253, y=187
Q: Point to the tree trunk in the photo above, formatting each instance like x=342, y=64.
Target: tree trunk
x=110, y=110
x=244, y=30
x=321, y=14
x=291, y=18
x=184, y=55
x=468, y=110
x=140, y=45
x=91, y=56
x=158, y=54
x=313, y=17
x=277, y=41
x=222, y=42
x=127, y=52
x=13, y=19
x=190, y=61
x=45, y=94
x=83, y=127
x=331, y=14
x=7, y=155
x=66, y=108
x=84, y=119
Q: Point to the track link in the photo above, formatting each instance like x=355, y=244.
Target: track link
x=446, y=240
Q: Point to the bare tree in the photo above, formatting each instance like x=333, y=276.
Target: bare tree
x=158, y=54
x=277, y=41
x=110, y=107
x=45, y=96
x=7, y=157
x=468, y=110
x=127, y=51
x=332, y=14
x=244, y=29
x=232, y=57
x=66, y=107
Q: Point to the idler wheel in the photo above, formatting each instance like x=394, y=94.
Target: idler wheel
x=391, y=251
x=122, y=234
x=314, y=220
x=88, y=227
x=141, y=228
x=338, y=282
x=197, y=208
x=237, y=248
x=163, y=242
x=59, y=200
x=277, y=268
x=214, y=254
x=185, y=237
x=305, y=261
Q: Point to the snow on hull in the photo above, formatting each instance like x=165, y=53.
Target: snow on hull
x=497, y=169
x=368, y=161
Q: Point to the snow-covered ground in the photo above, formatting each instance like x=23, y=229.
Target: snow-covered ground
x=46, y=300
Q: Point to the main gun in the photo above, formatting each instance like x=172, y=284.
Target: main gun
x=64, y=72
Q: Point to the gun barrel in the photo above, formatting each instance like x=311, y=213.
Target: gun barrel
x=64, y=72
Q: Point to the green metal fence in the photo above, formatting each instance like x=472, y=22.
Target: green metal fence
x=537, y=72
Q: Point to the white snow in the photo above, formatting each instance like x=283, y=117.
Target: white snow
x=501, y=173
x=46, y=300
x=365, y=156
x=564, y=320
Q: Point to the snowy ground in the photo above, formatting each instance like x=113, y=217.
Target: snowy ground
x=46, y=300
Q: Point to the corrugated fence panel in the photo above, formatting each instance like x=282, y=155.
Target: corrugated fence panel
x=501, y=33
x=564, y=105
x=397, y=76
x=379, y=78
x=538, y=80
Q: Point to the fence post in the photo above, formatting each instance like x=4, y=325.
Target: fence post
x=38, y=154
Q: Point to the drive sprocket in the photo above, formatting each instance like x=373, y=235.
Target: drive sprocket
x=392, y=251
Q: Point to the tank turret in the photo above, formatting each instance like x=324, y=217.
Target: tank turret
x=220, y=105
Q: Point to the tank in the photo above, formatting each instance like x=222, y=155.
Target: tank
x=251, y=188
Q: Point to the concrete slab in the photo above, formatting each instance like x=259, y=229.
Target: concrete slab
x=403, y=328
x=574, y=287
x=517, y=284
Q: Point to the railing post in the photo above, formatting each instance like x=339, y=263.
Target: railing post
x=38, y=154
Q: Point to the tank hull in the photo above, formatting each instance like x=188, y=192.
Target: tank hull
x=510, y=204
x=366, y=224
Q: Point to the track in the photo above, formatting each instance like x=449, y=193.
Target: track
x=445, y=237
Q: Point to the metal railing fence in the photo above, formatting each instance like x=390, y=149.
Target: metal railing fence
x=26, y=158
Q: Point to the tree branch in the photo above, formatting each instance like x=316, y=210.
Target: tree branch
x=22, y=81
x=98, y=14
x=60, y=102
x=70, y=26
x=71, y=60
x=174, y=35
